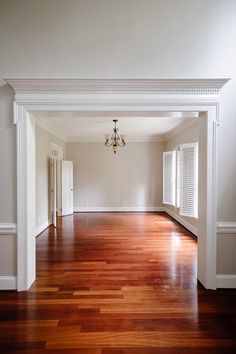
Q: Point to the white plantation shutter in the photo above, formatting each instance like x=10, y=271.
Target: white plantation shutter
x=189, y=180
x=178, y=177
x=169, y=170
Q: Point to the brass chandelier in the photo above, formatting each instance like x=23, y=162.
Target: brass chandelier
x=115, y=140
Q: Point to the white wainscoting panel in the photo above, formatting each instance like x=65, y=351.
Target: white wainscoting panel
x=226, y=281
x=8, y=283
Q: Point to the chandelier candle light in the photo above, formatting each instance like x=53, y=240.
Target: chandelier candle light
x=115, y=139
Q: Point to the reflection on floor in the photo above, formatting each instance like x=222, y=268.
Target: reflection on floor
x=117, y=283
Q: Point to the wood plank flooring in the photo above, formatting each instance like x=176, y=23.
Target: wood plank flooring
x=111, y=283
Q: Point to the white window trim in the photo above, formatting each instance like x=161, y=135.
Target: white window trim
x=172, y=200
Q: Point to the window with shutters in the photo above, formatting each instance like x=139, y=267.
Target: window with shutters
x=177, y=177
x=169, y=177
x=180, y=179
x=189, y=180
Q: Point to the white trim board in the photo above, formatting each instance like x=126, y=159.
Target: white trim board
x=41, y=227
x=226, y=227
x=8, y=283
x=226, y=281
x=117, y=209
x=7, y=229
x=183, y=222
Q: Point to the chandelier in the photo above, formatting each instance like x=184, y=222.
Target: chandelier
x=115, y=140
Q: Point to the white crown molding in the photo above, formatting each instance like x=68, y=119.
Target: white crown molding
x=179, y=128
x=226, y=227
x=149, y=86
x=62, y=136
x=141, y=139
x=7, y=229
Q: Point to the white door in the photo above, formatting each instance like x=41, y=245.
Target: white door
x=59, y=188
x=53, y=190
x=67, y=187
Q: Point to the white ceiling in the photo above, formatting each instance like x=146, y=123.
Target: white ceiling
x=137, y=126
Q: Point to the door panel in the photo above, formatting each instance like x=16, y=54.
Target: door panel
x=53, y=190
x=67, y=187
x=59, y=188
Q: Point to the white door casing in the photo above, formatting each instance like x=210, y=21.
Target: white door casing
x=53, y=191
x=182, y=95
x=57, y=154
x=67, y=187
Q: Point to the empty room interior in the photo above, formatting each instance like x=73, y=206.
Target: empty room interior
x=117, y=178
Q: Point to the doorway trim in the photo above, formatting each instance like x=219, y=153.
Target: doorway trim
x=201, y=95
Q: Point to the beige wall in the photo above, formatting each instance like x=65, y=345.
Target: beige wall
x=8, y=255
x=43, y=140
x=132, y=178
x=226, y=259
x=7, y=181
x=188, y=135
x=7, y=157
x=120, y=39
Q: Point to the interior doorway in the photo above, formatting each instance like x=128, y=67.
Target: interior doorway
x=61, y=189
x=120, y=96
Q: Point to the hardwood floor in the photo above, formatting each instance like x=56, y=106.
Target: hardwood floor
x=117, y=284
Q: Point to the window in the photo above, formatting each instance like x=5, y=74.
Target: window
x=177, y=177
x=189, y=180
x=169, y=171
x=180, y=179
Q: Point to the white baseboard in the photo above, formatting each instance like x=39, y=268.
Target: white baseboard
x=183, y=222
x=42, y=227
x=7, y=229
x=226, y=281
x=226, y=227
x=8, y=283
x=115, y=209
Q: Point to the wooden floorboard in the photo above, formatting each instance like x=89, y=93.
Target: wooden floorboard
x=117, y=283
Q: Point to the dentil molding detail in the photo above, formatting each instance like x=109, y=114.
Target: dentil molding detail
x=149, y=86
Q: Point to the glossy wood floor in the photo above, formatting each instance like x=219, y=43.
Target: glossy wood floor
x=117, y=284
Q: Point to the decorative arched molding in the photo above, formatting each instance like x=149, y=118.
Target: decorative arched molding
x=198, y=95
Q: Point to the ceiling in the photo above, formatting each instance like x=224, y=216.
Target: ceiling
x=91, y=126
